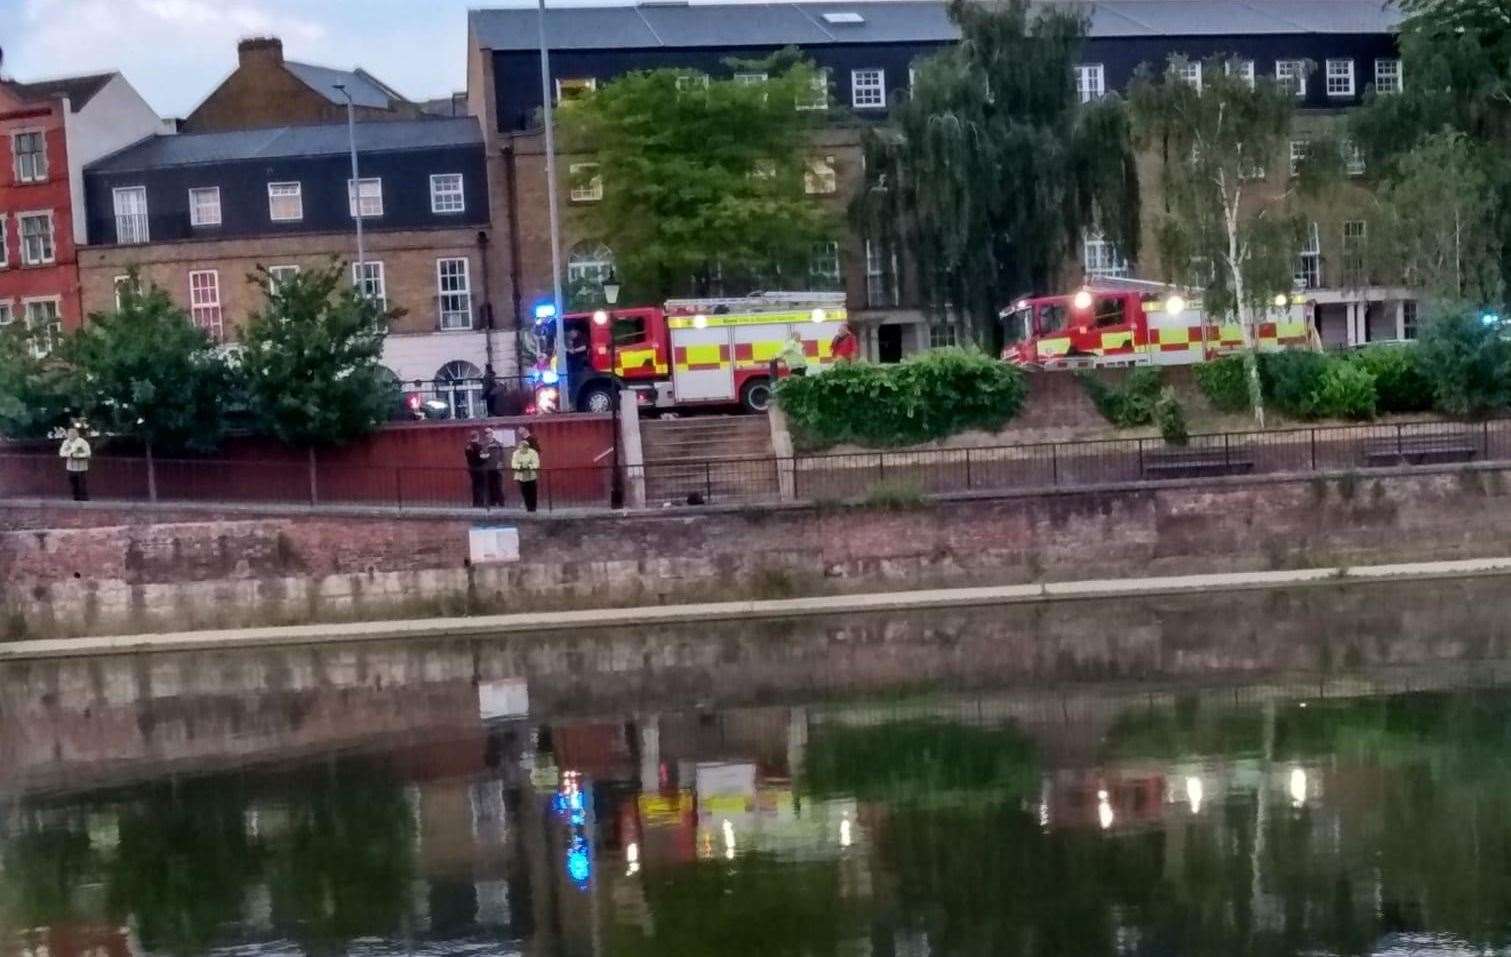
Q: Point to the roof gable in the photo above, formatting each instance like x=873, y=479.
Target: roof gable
x=364, y=89
x=78, y=89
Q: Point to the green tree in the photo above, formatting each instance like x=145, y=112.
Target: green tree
x=145, y=371
x=994, y=170
x=1220, y=230
x=701, y=177
x=310, y=359
x=34, y=385
x=1436, y=147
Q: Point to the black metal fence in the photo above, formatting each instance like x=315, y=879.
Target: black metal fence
x=880, y=476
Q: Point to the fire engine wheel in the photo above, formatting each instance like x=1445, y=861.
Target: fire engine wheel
x=756, y=395
x=598, y=397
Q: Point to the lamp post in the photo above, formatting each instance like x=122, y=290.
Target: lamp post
x=564, y=386
x=605, y=317
x=356, y=191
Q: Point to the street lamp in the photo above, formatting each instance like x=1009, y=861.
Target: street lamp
x=555, y=216
x=605, y=317
x=356, y=190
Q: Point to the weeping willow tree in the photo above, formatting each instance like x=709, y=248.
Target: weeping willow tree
x=993, y=170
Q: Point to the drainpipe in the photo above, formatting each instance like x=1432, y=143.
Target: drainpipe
x=511, y=188
x=487, y=310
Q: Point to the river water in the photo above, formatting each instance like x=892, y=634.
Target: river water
x=1317, y=773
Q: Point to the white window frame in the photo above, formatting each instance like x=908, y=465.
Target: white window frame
x=691, y=82
x=818, y=96
x=42, y=345
x=196, y=218
x=207, y=312
x=1101, y=258
x=276, y=274
x=1339, y=78
x=1091, y=81
x=4, y=246
x=117, y=283
x=40, y=169
x=51, y=238
x=370, y=200
x=1299, y=150
x=585, y=268
x=1190, y=73
x=944, y=335
x=751, y=79
x=1353, y=157
x=131, y=228
x=829, y=251
x=868, y=89
x=295, y=194
x=371, y=282
x=1293, y=72
x=881, y=286
x=1308, y=274
x=1242, y=68
x=7, y=312
x=590, y=192
x=577, y=85
x=462, y=294
x=444, y=200
x=1389, y=67
x=820, y=177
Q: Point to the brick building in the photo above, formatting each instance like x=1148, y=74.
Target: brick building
x=48, y=131
x=867, y=49
x=197, y=214
x=265, y=90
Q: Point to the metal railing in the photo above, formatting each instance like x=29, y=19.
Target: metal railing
x=874, y=475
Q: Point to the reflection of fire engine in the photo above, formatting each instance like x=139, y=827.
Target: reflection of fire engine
x=1125, y=326
x=700, y=351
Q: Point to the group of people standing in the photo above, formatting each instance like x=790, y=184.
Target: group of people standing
x=487, y=454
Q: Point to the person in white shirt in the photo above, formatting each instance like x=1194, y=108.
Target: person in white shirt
x=75, y=453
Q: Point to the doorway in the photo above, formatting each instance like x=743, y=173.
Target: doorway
x=889, y=343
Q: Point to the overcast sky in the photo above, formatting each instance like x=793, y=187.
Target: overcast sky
x=176, y=51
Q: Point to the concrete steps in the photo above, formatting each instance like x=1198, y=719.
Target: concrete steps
x=720, y=458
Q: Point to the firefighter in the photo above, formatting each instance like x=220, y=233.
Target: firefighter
x=792, y=355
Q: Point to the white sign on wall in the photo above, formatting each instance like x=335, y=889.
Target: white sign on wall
x=503, y=698
x=493, y=544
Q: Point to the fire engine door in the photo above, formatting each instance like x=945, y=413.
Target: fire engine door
x=702, y=370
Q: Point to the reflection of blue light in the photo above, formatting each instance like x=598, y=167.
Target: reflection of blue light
x=579, y=865
x=549, y=377
x=545, y=310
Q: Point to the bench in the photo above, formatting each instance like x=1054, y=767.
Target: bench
x=1196, y=463
x=1420, y=450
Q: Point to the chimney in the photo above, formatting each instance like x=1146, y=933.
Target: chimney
x=261, y=50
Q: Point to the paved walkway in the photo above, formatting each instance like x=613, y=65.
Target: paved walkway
x=494, y=626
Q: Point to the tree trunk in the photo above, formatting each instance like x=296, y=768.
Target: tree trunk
x=1245, y=314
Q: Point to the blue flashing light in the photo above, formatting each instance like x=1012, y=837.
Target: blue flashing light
x=544, y=311
x=579, y=864
x=549, y=377
x=1490, y=318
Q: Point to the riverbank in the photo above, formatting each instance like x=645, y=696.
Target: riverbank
x=499, y=626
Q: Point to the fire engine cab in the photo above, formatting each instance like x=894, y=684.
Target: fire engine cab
x=1129, y=326
x=692, y=352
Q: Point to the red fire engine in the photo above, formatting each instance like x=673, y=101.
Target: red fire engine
x=1129, y=325
x=692, y=352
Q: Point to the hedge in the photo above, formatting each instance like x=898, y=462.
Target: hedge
x=929, y=396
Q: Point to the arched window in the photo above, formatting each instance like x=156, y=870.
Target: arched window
x=459, y=384
x=589, y=263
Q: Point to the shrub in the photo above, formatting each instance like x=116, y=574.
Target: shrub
x=1346, y=391
x=1171, y=418
x=1467, y=364
x=1131, y=404
x=930, y=396
x=1225, y=384
x=1293, y=379
x=1401, y=385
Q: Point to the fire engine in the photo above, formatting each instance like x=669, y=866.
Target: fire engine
x=692, y=352
x=1128, y=325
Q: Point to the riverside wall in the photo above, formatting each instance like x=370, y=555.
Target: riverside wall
x=97, y=569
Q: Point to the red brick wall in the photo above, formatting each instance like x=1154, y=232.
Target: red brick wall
x=60, y=278
x=200, y=569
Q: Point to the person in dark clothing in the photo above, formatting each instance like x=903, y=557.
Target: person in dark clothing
x=490, y=389
x=477, y=469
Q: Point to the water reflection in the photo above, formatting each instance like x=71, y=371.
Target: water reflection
x=1222, y=823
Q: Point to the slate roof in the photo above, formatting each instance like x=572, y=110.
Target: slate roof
x=79, y=89
x=190, y=149
x=366, y=91
x=715, y=25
